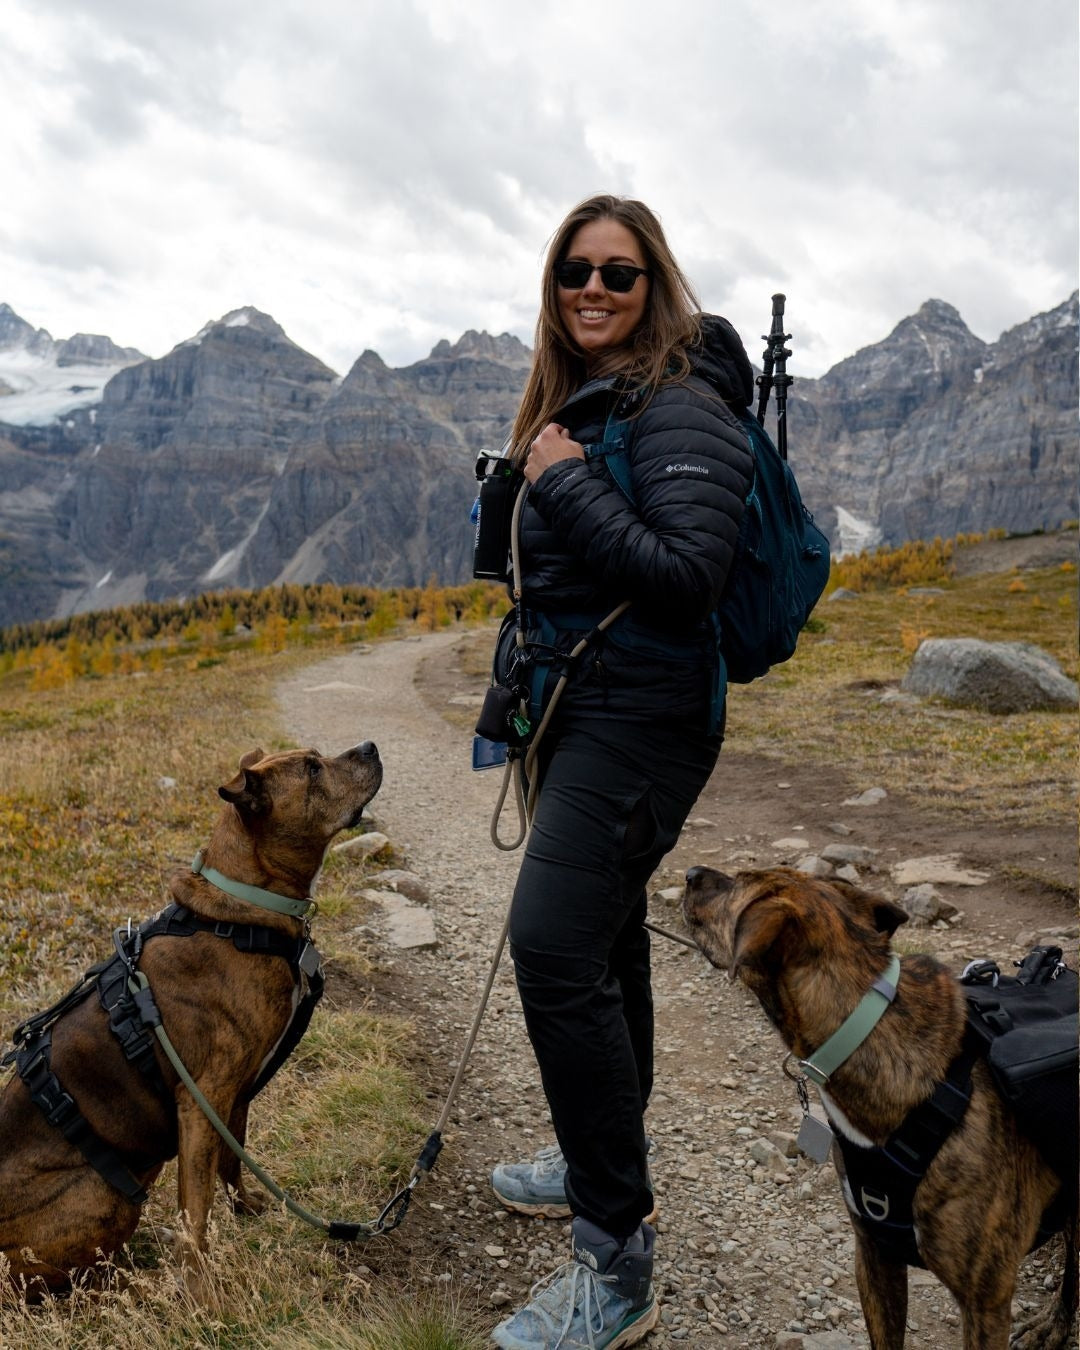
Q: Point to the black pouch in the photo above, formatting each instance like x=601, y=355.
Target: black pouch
x=496, y=720
x=500, y=716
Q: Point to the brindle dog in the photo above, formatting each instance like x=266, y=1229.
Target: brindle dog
x=224, y=1011
x=809, y=950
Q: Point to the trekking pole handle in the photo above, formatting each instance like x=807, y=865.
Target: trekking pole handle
x=780, y=379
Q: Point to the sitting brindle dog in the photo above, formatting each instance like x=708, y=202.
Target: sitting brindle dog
x=95, y=1108
x=809, y=950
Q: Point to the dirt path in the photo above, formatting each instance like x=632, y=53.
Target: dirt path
x=743, y=1258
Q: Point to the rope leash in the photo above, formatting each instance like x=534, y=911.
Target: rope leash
x=389, y=1216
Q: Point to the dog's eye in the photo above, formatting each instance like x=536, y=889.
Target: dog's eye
x=313, y=766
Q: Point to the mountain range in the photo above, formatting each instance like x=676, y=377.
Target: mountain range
x=239, y=459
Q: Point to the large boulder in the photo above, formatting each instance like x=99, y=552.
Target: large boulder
x=997, y=677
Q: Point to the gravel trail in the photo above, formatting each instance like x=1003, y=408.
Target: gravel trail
x=753, y=1248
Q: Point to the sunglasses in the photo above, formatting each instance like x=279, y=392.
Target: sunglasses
x=617, y=277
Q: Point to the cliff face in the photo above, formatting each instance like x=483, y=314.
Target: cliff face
x=933, y=432
x=185, y=453
x=239, y=459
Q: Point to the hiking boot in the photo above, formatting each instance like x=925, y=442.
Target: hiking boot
x=601, y=1300
x=539, y=1187
x=536, y=1187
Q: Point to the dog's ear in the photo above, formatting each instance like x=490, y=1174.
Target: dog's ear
x=883, y=914
x=759, y=930
x=888, y=917
x=252, y=758
x=245, y=791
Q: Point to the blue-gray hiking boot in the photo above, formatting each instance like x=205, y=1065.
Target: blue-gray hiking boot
x=538, y=1187
x=601, y=1300
x=535, y=1187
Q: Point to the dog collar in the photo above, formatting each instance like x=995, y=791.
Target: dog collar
x=254, y=895
x=851, y=1033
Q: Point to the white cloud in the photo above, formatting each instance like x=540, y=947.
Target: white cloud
x=379, y=174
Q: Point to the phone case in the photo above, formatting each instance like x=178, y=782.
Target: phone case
x=487, y=754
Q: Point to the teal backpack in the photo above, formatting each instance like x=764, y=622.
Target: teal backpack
x=781, y=564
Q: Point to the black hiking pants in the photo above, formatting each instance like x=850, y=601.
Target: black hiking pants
x=614, y=796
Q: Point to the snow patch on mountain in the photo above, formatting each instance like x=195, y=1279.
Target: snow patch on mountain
x=855, y=535
x=43, y=381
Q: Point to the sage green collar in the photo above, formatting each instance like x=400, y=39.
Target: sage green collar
x=254, y=895
x=851, y=1033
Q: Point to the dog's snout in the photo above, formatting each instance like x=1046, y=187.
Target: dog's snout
x=368, y=750
x=704, y=884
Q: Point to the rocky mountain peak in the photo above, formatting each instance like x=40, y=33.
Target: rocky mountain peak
x=939, y=313
x=94, y=349
x=369, y=372
x=247, y=317
x=17, y=334
x=939, y=329
x=934, y=344
x=505, y=348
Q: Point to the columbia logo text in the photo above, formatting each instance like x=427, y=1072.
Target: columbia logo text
x=688, y=468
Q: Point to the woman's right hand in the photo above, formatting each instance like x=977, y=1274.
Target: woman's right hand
x=552, y=445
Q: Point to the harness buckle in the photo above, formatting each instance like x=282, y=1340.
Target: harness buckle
x=62, y=1111
x=223, y=929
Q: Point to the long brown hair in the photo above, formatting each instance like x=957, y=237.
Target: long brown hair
x=658, y=348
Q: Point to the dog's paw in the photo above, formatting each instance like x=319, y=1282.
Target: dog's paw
x=1047, y=1330
x=246, y=1203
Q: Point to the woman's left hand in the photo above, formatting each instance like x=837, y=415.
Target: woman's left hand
x=552, y=445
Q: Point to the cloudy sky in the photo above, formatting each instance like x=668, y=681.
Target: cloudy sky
x=385, y=173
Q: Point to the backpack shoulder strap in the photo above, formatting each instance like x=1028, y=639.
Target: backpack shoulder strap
x=615, y=453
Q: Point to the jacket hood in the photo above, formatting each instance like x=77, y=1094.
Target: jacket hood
x=722, y=361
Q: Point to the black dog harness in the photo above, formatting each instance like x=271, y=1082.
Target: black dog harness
x=880, y=1182
x=133, y=1014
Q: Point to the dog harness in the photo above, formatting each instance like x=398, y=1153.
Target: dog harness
x=133, y=1014
x=879, y=1183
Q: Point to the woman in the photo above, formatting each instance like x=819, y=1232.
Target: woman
x=636, y=732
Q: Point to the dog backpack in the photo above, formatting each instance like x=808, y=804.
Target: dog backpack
x=781, y=564
x=1028, y=1023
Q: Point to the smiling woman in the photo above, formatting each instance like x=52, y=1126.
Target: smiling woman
x=638, y=725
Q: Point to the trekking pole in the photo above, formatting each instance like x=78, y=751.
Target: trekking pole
x=774, y=373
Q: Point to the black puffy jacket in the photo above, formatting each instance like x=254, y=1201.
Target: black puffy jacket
x=584, y=547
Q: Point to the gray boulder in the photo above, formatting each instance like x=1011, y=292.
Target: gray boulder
x=997, y=677
x=925, y=905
